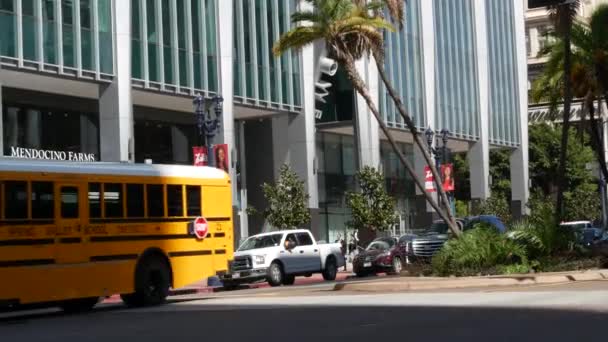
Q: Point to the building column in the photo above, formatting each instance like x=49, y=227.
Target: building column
x=115, y=102
x=226, y=90
x=520, y=191
x=479, y=154
x=367, y=136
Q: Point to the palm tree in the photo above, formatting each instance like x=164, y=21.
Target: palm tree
x=395, y=10
x=563, y=16
x=351, y=31
x=589, y=63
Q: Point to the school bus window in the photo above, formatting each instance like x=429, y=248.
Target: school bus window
x=156, y=205
x=175, y=200
x=112, y=200
x=42, y=199
x=15, y=200
x=193, y=195
x=135, y=200
x=94, y=200
x=69, y=202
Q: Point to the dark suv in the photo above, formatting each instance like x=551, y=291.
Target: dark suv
x=423, y=245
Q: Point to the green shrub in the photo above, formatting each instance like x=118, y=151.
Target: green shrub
x=479, y=251
x=540, y=235
x=496, y=205
x=462, y=208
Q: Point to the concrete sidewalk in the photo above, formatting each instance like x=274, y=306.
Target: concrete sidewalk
x=438, y=283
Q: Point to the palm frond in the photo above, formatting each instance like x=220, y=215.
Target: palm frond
x=297, y=38
x=307, y=16
x=598, y=24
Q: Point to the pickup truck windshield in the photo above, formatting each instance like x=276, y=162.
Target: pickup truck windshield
x=265, y=241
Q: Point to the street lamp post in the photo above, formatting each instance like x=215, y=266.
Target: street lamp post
x=439, y=154
x=208, y=126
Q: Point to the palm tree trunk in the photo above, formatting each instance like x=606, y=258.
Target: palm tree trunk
x=421, y=145
x=361, y=88
x=559, y=210
x=596, y=138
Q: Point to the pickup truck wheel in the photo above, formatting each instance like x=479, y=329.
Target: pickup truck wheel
x=289, y=280
x=397, y=266
x=331, y=269
x=275, y=274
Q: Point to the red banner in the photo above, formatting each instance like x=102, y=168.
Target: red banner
x=429, y=180
x=447, y=175
x=220, y=152
x=199, y=155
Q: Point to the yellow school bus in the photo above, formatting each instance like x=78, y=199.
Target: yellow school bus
x=71, y=233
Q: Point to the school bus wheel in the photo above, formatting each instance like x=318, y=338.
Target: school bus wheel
x=152, y=282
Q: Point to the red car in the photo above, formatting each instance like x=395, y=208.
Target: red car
x=383, y=255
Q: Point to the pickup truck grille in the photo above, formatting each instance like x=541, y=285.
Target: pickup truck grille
x=427, y=248
x=241, y=264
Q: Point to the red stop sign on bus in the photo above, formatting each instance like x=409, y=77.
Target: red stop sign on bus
x=201, y=228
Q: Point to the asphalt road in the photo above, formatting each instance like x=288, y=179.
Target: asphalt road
x=542, y=313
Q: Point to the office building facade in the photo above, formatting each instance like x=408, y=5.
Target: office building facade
x=114, y=80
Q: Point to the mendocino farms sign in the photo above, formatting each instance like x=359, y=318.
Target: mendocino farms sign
x=32, y=153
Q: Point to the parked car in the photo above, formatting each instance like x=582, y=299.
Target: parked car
x=382, y=255
x=493, y=221
x=278, y=257
x=587, y=234
x=422, y=245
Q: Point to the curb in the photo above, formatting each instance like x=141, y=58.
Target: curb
x=412, y=284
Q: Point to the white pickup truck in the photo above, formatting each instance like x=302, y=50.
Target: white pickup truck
x=278, y=257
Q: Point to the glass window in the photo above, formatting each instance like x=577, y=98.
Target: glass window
x=112, y=200
x=94, y=200
x=50, y=46
x=135, y=200
x=86, y=35
x=304, y=239
x=69, y=202
x=291, y=238
x=167, y=43
x=195, y=22
x=156, y=204
x=15, y=200
x=6, y=5
x=27, y=7
x=85, y=14
x=29, y=26
x=7, y=29
x=175, y=200
x=42, y=200
x=136, y=66
x=105, y=36
x=256, y=242
x=68, y=33
x=193, y=194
